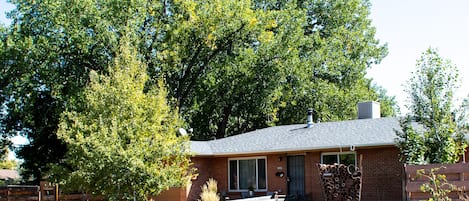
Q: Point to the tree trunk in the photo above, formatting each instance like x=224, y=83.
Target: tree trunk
x=221, y=131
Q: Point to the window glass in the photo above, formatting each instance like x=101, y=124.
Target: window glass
x=347, y=159
x=262, y=183
x=341, y=158
x=329, y=159
x=247, y=174
x=233, y=175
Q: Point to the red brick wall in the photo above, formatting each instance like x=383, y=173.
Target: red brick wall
x=382, y=174
x=216, y=168
x=173, y=194
x=313, y=189
x=219, y=171
x=276, y=163
x=203, y=169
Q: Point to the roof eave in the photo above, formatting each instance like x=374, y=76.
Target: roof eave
x=303, y=149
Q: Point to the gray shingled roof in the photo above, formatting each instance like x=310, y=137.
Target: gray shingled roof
x=358, y=133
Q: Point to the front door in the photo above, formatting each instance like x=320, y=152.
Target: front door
x=296, y=175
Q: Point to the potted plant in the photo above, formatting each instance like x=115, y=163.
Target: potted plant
x=251, y=191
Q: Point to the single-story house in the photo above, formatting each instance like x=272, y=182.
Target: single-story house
x=285, y=159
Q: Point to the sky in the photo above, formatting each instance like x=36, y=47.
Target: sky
x=408, y=27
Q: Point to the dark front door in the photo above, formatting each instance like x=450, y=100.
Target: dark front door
x=296, y=175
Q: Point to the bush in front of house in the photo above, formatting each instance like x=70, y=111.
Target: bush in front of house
x=209, y=191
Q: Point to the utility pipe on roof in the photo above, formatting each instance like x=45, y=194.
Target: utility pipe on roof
x=309, y=121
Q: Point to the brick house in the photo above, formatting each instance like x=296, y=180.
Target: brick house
x=284, y=158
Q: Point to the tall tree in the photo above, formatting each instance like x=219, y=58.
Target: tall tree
x=124, y=144
x=340, y=46
x=47, y=54
x=314, y=59
x=231, y=65
x=389, y=106
x=431, y=90
x=410, y=142
x=4, y=135
x=224, y=62
x=462, y=116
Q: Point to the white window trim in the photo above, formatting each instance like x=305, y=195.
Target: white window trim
x=338, y=155
x=257, y=173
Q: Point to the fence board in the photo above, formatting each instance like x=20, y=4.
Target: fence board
x=47, y=192
x=456, y=174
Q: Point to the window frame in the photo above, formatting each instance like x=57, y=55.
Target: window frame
x=257, y=174
x=338, y=156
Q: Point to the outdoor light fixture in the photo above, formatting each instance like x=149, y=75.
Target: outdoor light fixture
x=279, y=174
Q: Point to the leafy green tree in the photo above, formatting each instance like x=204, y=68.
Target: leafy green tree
x=339, y=47
x=226, y=61
x=6, y=163
x=257, y=83
x=231, y=65
x=123, y=143
x=411, y=143
x=462, y=117
x=46, y=56
x=431, y=104
x=389, y=106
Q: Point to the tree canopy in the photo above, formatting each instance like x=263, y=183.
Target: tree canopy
x=6, y=163
x=123, y=143
x=431, y=133
x=229, y=66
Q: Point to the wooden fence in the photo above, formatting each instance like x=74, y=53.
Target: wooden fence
x=44, y=192
x=456, y=174
x=50, y=192
x=19, y=193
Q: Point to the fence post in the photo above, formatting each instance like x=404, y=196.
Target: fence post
x=404, y=182
x=39, y=194
x=56, y=192
x=41, y=190
x=461, y=176
x=463, y=157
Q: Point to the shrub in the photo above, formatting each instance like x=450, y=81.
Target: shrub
x=437, y=185
x=209, y=191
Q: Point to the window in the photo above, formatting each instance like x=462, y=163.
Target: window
x=245, y=173
x=346, y=158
